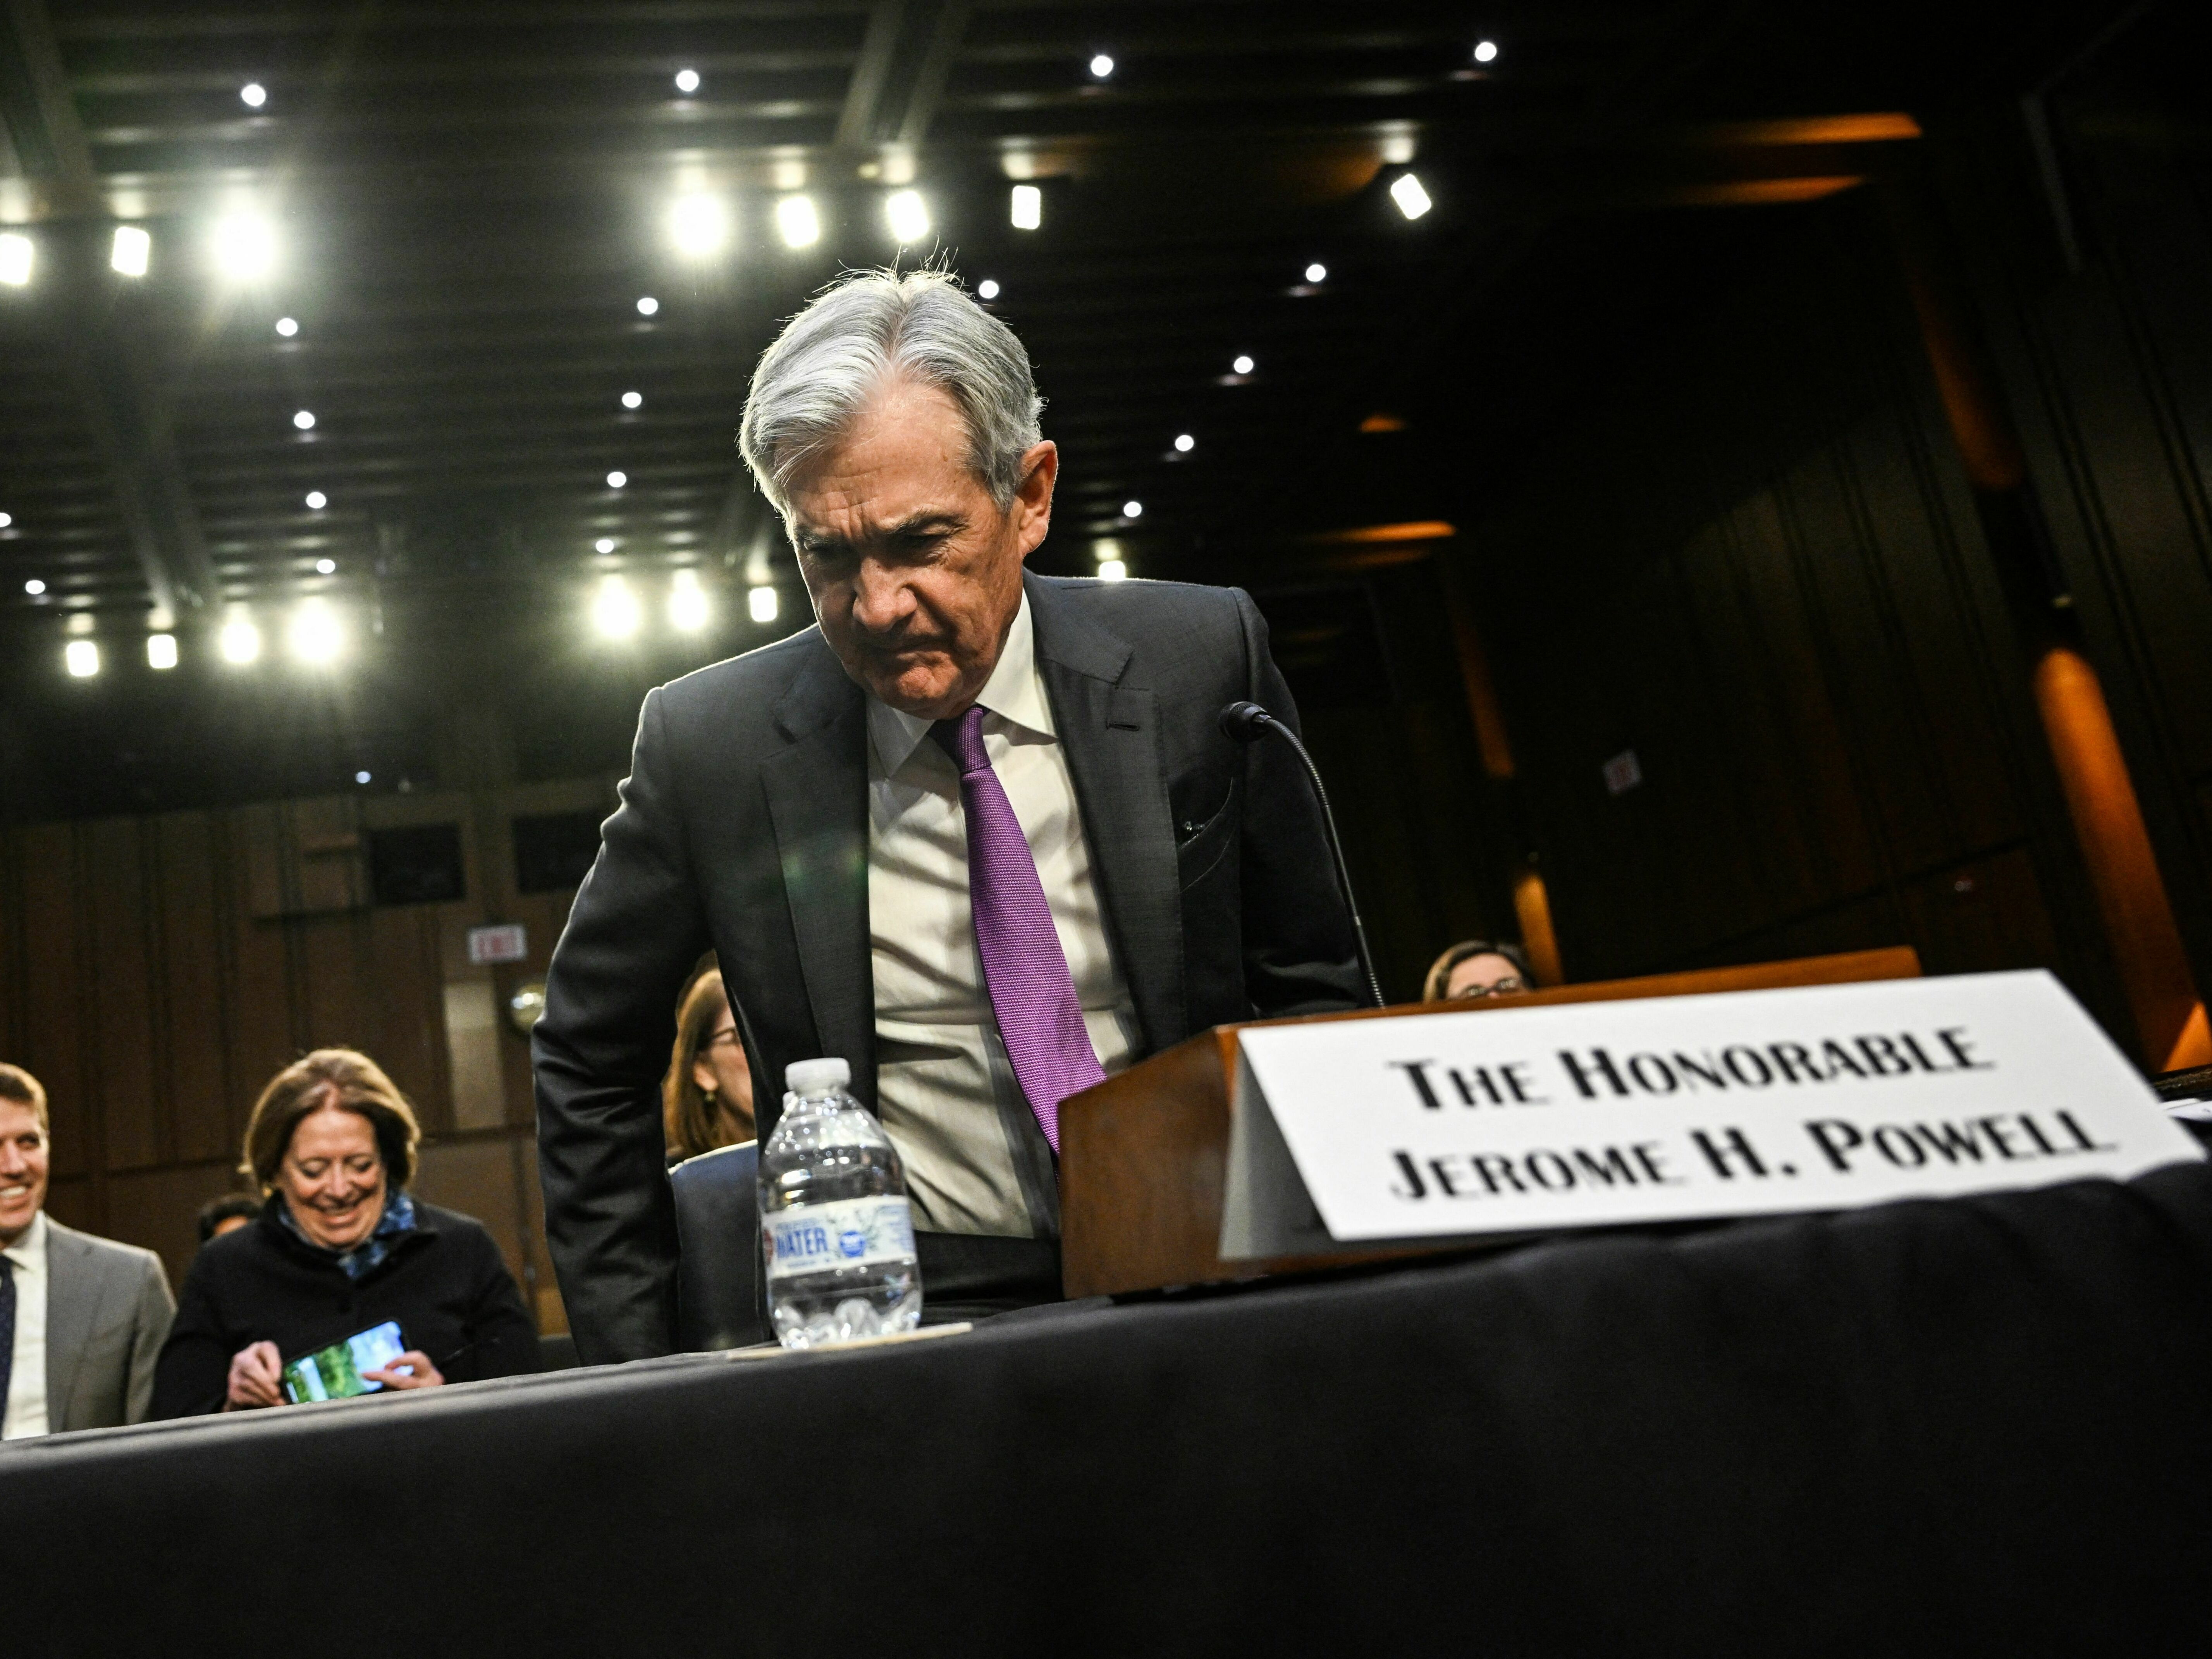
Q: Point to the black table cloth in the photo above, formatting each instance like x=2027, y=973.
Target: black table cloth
x=1980, y=1425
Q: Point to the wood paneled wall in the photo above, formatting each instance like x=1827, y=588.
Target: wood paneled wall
x=137, y=981
x=1756, y=563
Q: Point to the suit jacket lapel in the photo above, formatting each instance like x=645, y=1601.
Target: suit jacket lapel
x=73, y=1291
x=817, y=798
x=1111, y=735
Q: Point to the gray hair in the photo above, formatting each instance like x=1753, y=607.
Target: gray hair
x=873, y=327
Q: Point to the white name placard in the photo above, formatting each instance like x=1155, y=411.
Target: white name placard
x=1588, y=1115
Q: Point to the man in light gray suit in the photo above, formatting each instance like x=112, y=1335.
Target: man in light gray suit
x=81, y=1319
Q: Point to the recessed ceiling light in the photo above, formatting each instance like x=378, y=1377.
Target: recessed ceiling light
x=1413, y=201
x=82, y=659
x=614, y=610
x=1486, y=52
x=1241, y=364
x=1316, y=272
x=326, y=567
x=6, y=518
x=240, y=640
x=286, y=327
x=648, y=305
x=14, y=258
x=1028, y=208
x=633, y=399
x=687, y=603
x=616, y=480
x=1132, y=509
x=161, y=651
x=360, y=777
x=986, y=290
x=245, y=246
x=760, y=604
x=1113, y=570
x=254, y=94
x=34, y=587
x=317, y=634
x=908, y=216
x=131, y=250
x=305, y=420
x=1100, y=66
x=687, y=80
x=604, y=545
x=317, y=500
x=1185, y=443
x=699, y=225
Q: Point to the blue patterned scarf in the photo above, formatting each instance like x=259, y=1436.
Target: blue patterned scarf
x=398, y=1218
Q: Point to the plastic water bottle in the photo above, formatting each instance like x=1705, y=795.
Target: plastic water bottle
x=836, y=1236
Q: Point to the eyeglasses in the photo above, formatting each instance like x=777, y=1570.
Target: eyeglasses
x=1510, y=983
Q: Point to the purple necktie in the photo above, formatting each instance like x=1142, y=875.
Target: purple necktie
x=1032, y=993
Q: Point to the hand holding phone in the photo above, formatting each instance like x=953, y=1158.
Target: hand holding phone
x=256, y=1378
x=411, y=1369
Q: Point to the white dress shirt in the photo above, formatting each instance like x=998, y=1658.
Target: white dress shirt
x=27, y=1382
x=976, y=1160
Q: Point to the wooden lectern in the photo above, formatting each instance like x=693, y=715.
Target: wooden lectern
x=1143, y=1156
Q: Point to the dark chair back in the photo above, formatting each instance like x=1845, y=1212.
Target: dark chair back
x=719, y=1303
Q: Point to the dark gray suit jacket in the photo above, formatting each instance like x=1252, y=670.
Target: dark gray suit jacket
x=108, y=1310
x=743, y=825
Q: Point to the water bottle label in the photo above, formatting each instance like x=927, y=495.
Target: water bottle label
x=844, y=1232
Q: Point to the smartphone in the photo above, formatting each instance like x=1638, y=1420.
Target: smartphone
x=335, y=1372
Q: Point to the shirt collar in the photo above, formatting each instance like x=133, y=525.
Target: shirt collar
x=1015, y=693
x=30, y=1250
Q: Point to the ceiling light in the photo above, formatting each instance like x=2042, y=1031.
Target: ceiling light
x=161, y=651
x=687, y=603
x=83, y=658
x=1413, y=201
x=245, y=246
x=1028, y=207
x=131, y=250
x=797, y=222
x=360, y=777
x=6, y=518
x=986, y=290
x=699, y=226
x=14, y=259
x=317, y=635
x=604, y=545
x=1132, y=509
x=1113, y=570
x=240, y=640
x=616, y=480
x=633, y=400
x=646, y=305
x=34, y=587
x=286, y=327
x=1185, y=443
x=1241, y=364
x=908, y=215
x=614, y=609
x=326, y=567
x=760, y=604
x=1316, y=272
x=1100, y=66
x=1486, y=52
x=305, y=420
x=317, y=499
x=254, y=94
x=687, y=81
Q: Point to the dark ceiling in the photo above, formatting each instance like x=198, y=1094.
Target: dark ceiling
x=469, y=201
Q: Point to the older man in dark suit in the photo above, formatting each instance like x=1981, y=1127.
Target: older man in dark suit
x=978, y=832
x=81, y=1319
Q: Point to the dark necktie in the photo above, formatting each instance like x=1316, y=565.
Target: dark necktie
x=1025, y=971
x=7, y=1331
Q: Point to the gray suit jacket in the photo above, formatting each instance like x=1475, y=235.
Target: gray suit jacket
x=108, y=1310
x=743, y=824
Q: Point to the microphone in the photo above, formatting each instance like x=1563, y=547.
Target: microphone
x=1248, y=722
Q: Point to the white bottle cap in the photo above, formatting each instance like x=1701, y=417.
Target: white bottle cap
x=816, y=1076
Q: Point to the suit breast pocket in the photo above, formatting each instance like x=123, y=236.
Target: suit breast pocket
x=1200, y=848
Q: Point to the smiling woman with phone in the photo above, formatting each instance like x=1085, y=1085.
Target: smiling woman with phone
x=345, y=1284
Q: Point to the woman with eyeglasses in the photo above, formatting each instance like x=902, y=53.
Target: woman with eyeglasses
x=1478, y=967
x=707, y=1099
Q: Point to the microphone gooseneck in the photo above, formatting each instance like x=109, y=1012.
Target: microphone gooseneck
x=1248, y=722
